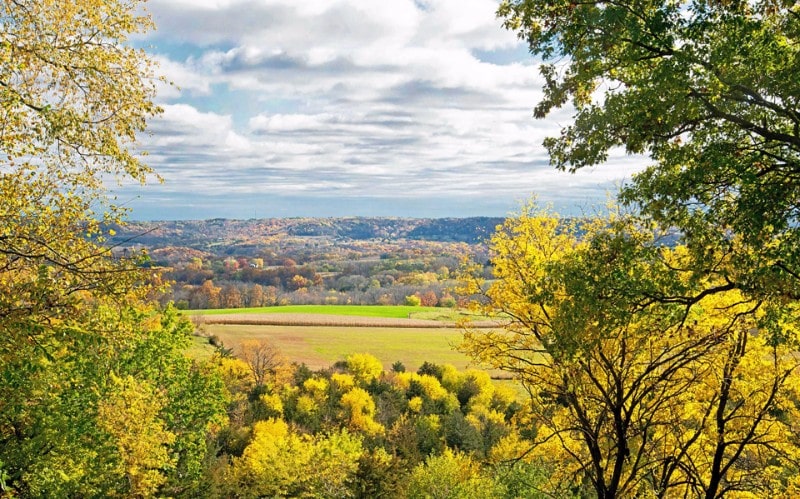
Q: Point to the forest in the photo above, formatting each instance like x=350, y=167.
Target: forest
x=255, y=263
x=653, y=348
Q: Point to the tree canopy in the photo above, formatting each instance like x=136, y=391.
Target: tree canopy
x=98, y=398
x=634, y=393
x=708, y=90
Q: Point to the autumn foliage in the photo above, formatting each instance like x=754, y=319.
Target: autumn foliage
x=644, y=378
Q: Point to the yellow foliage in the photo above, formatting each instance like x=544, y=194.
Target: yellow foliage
x=273, y=403
x=451, y=475
x=268, y=466
x=306, y=405
x=643, y=375
x=317, y=388
x=235, y=373
x=451, y=377
x=131, y=416
x=509, y=448
x=280, y=463
x=359, y=409
x=365, y=367
x=343, y=381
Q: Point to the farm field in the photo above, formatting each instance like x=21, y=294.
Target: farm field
x=389, y=311
x=319, y=336
x=342, y=316
x=321, y=346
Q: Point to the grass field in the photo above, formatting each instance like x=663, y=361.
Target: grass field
x=390, y=311
x=321, y=346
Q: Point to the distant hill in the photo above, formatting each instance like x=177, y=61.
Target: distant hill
x=221, y=235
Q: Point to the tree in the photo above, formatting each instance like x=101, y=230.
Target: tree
x=412, y=301
x=359, y=411
x=631, y=392
x=230, y=297
x=709, y=91
x=365, y=367
x=271, y=464
x=451, y=475
x=131, y=416
x=73, y=98
x=263, y=358
x=255, y=296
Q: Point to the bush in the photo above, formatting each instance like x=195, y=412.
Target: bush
x=412, y=301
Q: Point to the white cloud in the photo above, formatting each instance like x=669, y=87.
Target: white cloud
x=352, y=98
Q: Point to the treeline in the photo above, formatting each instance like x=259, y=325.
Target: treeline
x=245, y=236
x=249, y=282
x=238, y=295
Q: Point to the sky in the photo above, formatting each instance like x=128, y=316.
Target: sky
x=329, y=108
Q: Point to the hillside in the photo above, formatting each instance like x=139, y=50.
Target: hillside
x=224, y=237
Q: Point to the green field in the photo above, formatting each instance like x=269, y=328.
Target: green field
x=321, y=346
x=391, y=311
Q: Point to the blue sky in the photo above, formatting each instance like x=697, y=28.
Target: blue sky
x=416, y=108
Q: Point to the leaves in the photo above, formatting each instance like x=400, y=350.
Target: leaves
x=644, y=377
x=708, y=91
x=98, y=397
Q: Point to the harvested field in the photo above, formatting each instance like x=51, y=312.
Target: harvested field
x=298, y=319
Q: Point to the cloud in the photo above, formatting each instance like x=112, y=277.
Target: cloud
x=352, y=99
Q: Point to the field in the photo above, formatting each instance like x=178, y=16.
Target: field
x=321, y=346
x=389, y=311
x=322, y=335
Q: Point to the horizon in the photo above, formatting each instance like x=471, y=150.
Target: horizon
x=191, y=214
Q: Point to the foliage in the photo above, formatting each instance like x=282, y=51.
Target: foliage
x=70, y=111
x=709, y=91
x=130, y=415
x=359, y=410
x=634, y=393
x=98, y=398
x=357, y=430
x=364, y=367
x=451, y=476
x=412, y=301
x=706, y=330
x=263, y=358
x=269, y=465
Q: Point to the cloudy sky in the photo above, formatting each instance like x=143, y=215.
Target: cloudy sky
x=349, y=107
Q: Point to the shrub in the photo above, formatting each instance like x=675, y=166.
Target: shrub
x=412, y=301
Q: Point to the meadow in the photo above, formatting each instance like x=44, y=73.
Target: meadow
x=320, y=347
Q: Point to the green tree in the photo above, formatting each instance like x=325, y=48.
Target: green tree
x=708, y=90
x=79, y=337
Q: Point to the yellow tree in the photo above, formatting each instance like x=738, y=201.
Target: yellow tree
x=643, y=377
x=131, y=415
x=281, y=463
x=73, y=97
x=263, y=358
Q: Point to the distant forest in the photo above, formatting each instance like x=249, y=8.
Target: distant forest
x=224, y=263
